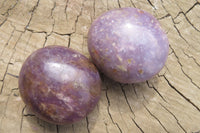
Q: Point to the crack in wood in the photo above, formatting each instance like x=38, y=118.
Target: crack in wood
x=133, y=86
x=53, y=25
x=106, y=125
x=149, y=1
x=9, y=9
x=66, y=6
x=3, y=79
x=107, y=5
x=195, y=4
x=73, y=128
x=191, y=57
x=185, y=15
x=179, y=33
x=177, y=121
x=6, y=105
x=32, y=12
x=54, y=6
x=57, y=128
x=183, y=70
x=137, y=125
x=3, y=22
x=87, y=121
x=8, y=41
x=34, y=31
x=132, y=3
x=69, y=42
x=94, y=3
x=77, y=18
x=27, y=43
x=124, y=93
x=167, y=15
x=187, y=99
x=15, y=76
x=9, y=64
x=187, y=19
x=68, y=34
x=29, y=115
x=145, y=98
x=156, y=118
x=108, y=110
x=118, y=2
x=22, y=117
x=156, y=91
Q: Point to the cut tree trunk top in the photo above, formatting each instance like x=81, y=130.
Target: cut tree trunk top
x=169, y=102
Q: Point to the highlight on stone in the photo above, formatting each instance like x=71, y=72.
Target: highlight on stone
x=128, y=45
x=60, y=85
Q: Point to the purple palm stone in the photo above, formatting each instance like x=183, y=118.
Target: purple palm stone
x=128, y=45
x=60, y=85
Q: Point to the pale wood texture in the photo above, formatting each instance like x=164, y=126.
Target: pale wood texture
x=170, y=102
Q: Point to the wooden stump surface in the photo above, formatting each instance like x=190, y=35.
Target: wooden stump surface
x=169, y=102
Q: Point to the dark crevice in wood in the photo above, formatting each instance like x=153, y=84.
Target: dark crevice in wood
x=32, y=13
x=118, y=2
x=134, y=89
x=145, y=98
x=94, y=3
x=174, y=118
x=187, y=19
x=151, y=4
x=77, y=18
x=180, y=33
x=106, y=125
x=137, y=125
x=167, y=15
x=22, y=117
x=87, y=121
x=9, y=9
x=156, y=118
x=15, y=76
x=124, y=93
x=68, y=34
x=34, y=31
x=195, y=4
x=3, y=79
x=187, y=99
x=57, y=128
x=66, y=6
x=156, y=91
x=191, y=57
x=29, y=115
x=54, y=6
x=132, y=3
x=183, y=70
x=7, y=42
x=69, y=42
x=108, y=110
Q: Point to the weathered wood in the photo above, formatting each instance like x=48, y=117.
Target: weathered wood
x=169, y=102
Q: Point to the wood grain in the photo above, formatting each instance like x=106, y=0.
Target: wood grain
x=169, y=102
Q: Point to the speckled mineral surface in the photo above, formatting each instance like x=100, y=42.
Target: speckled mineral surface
x=128, y=45
x=60, y=85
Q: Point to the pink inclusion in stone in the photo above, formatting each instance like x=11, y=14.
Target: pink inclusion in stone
x=128, y=45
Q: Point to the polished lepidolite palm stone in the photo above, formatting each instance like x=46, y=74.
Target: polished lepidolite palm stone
x=60, y=85
x=128, y=45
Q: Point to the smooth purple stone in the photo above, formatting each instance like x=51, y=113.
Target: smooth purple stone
x=128, y=45
x=60, y=85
